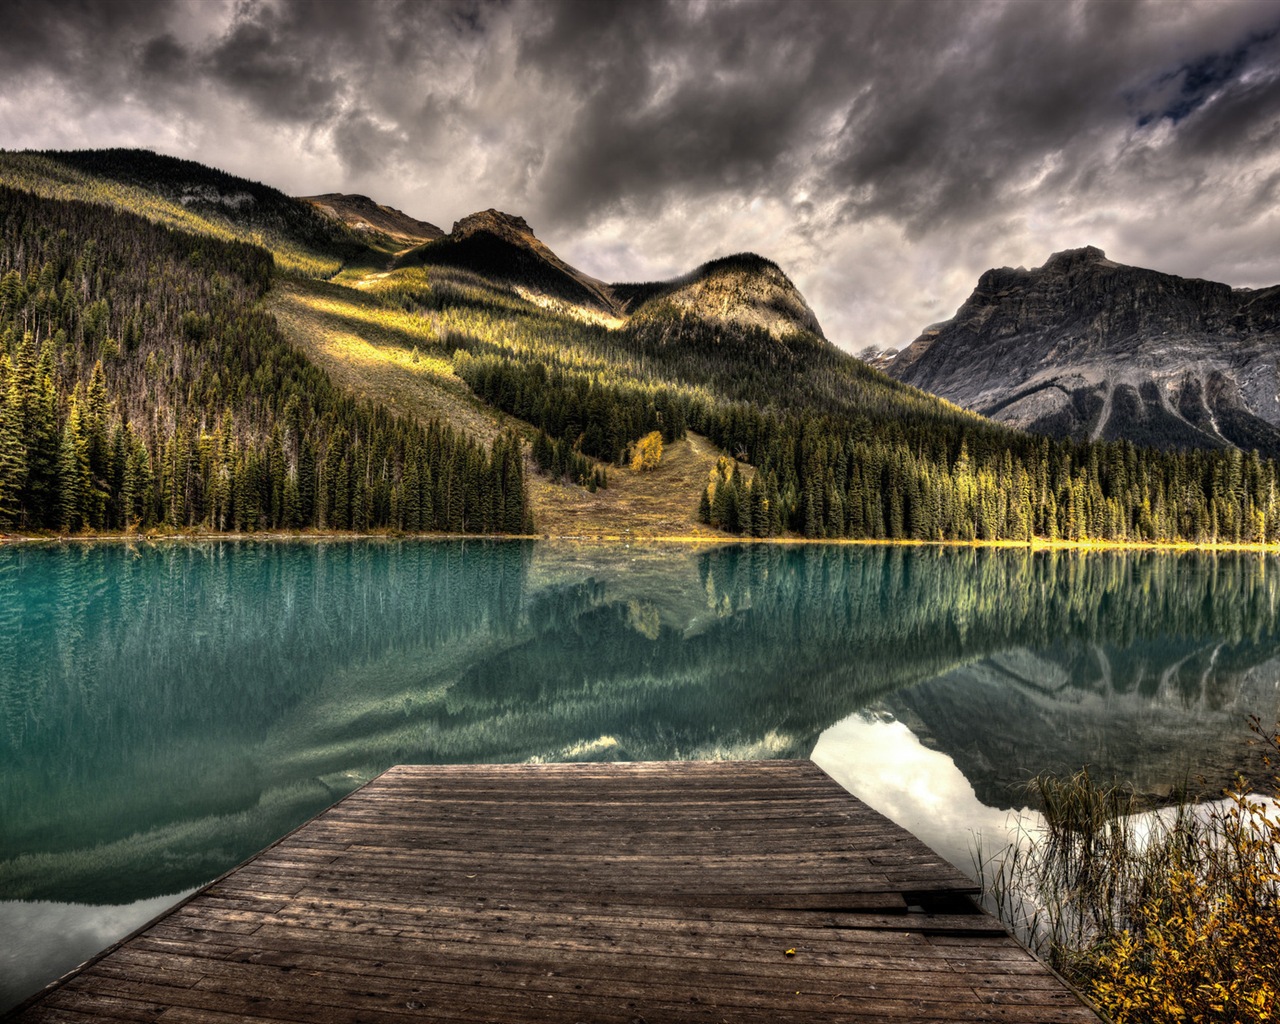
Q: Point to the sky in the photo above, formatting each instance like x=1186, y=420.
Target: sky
x=883, y=154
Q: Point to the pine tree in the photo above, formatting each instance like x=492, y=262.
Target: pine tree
x=38, y=399
x=138, y=482
x=13, y=453
x=73, y=470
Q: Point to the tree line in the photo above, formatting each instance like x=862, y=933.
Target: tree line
x=892, y=479
x=891, y=465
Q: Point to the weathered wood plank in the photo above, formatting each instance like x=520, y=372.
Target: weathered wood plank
x=690, y=892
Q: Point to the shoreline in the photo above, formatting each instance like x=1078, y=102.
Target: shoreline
x=692, y=540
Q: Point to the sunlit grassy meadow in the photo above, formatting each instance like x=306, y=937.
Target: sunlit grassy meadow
x=394, y=336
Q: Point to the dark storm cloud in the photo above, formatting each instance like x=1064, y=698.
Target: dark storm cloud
x=280, y=82
x=924, y=113
x=1199, y=80
x=919, y=111
x=162, y=57
x=1235, y=111
x=86, y=44
x=702, y=99
x=858, y=98
x=818, y=130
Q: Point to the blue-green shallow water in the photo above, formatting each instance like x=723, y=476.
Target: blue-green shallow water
x=167, y=710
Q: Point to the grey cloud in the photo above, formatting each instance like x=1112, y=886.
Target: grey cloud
x=88, y=46
x=1243, y=114
x=940, y=110
x=913, y=111
x=679, y=102
x=257, y=61
x=1181, y=92
x=949, y=131
x=362, y=144
x=965, y=135
x=163, y=57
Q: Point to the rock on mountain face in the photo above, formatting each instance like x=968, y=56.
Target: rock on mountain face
x=744, y=290
x=502, y=248
x=1088, y=348
x=740, y=291
x=360, y=213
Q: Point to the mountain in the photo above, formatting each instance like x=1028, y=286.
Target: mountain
x=1149, y=710
x=744, y=290
x=147, y=387
x=190, y=196
x=501, y=248
x=361, y=214
x=181, y=348
x=1084, y=347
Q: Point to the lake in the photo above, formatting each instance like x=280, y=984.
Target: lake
x=166, y=710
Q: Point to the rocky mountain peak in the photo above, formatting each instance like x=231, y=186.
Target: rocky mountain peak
x=506, y=226
x=1090, y=348
x=1072, y=259
x=360, y=213
x=502, y=247
x=744, y=290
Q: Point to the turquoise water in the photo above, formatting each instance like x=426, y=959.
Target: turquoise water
x=167, y=710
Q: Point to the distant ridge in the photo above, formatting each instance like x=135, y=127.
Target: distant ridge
x=743, y=289
x=360, y=213
x=190, y=196
x=502, y=247
x=1088, y=348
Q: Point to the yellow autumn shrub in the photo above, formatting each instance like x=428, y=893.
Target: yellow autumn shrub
x=1174, y=921
x=647, y=452
x=1204, y=945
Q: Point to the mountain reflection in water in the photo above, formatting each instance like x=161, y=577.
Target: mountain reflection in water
x=166, y=710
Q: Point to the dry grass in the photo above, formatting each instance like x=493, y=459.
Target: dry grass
x=369, y=351
x=1168, y=918
x=395, y=358
x=661, y=502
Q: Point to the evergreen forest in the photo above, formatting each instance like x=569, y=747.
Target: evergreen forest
x=143, y=385
x=146, y=383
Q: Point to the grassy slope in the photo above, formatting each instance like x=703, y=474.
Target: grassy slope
x=661, y=503
x=375, y=350
x=54, y=178
x=389, y=334
x=369, y=350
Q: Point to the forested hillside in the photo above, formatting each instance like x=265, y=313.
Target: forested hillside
x=151, y=376
x=142, y=384
x=838, y=450
x=192, y=197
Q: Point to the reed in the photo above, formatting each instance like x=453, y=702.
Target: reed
x=1159, y=916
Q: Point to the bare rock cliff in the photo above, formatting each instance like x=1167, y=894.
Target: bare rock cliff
x=1089, y=348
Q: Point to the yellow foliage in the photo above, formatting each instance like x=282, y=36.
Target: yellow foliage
x=1182, y=925
x=1204, y=946
x=647, y=452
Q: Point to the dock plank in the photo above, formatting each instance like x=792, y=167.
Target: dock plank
x=681, y=892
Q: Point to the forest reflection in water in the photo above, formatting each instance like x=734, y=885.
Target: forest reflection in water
x=168, y=709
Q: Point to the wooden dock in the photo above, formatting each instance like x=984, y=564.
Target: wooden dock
x=629, y=893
